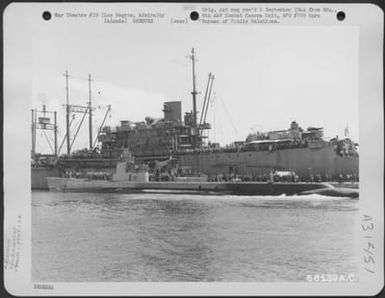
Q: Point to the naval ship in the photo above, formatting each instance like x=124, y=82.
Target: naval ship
x=303, y=151
x=170, y=142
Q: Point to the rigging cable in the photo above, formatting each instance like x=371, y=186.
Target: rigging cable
x=65, y=136
x=78, y=128
x=39, y=145
x=108, y=112
x=49, y=143
x=229, y=116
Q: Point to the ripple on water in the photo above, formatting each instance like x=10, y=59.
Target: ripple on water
x=163, y=237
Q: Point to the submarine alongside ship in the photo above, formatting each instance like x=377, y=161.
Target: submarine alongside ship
x=176, y=147
x=129, y=178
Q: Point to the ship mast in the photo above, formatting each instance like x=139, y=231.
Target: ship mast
x=87, y=109
x=55, y=132
x=44, y=123
x=194, y=92
x=67, y=116
x=90, y=111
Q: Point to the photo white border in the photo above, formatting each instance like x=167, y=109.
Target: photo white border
x=368, y=19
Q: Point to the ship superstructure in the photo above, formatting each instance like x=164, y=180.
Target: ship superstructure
x=154, y=138
x=303, y=151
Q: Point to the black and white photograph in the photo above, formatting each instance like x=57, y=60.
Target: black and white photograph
x=157, y=148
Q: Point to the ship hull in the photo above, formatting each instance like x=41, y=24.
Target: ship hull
x=303, y=161
x=39, y=174
x=39, y=177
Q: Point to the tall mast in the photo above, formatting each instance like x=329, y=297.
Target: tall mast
x=55, y=133
x=75, y=109
x=194, y=92
x=90, y=111
x=68, y=116
x=44, y=124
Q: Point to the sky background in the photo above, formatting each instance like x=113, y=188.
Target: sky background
x=265, y=76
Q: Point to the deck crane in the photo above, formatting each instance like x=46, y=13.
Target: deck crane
x=101, y=126
x=85, y=112
x=205, y=98
x=206, y=101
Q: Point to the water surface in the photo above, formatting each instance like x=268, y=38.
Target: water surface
x=165, y=237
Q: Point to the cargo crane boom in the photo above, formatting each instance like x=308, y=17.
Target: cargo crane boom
x=101, y=126
x=207, y=99
x=79, y=126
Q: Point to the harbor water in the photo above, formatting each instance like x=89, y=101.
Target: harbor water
x=179, y=237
